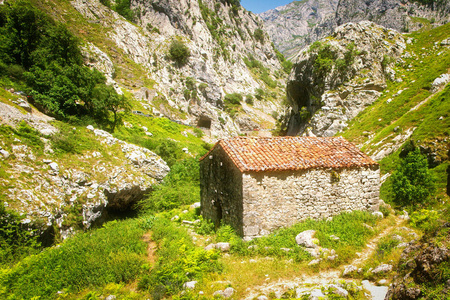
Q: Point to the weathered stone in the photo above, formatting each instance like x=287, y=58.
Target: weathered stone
x=223, y=247
x=189, y=285
x=306, y=239
x=383, y=268
x=349, y=270
x=338, y=290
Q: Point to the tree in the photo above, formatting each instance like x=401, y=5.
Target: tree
x=412, y=182
x=179, y=52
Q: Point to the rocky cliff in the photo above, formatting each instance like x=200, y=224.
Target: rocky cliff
x=299, y=23
x=223, y=41
x=73, y=190
x=302, y=22
x=338, y=77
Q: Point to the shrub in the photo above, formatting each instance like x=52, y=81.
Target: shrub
x=179, y=52
x=425, y=219
x=16, y=240
x=412, y=182
x=259, y=35
x=249, y=99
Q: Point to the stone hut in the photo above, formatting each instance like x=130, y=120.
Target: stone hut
x=257, y=185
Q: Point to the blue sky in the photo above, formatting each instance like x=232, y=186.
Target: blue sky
x=259, y=6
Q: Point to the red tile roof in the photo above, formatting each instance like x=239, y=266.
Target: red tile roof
x=259, y=154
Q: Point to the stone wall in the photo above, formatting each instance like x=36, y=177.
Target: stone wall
x=274, y=200
x=221, y=190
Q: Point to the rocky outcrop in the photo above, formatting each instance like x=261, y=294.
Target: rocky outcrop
x=423, y=267
x=335, y=79
x=401, y=15
x=218, y=37
x=52, y=192
x=299, y=23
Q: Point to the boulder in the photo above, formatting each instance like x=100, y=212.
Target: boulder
x=306, y=239
x=189, y=285
x=382, y=269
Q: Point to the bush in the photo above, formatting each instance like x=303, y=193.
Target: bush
x=259, y=35
x=179, y=52
x=16, y=240
x=425, y=219
x=412, y=182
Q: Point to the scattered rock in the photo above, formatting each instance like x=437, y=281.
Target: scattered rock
x=227, y=293
x=378, y=214
x=111, y=297
x=316, y=294
x=383, y=268
x=195, y=205
x=306, y=239
x=382, y=282
x=189, y=285
x=349, y=270
x=4, y=153
x=334, y=238
x=223, y=247
x=314, y=262
x=209, y=247
x=338, y=290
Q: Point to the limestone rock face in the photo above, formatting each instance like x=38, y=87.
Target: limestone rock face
x=55, y=191
x=338, y=77
x=394, y=14
x=218, y=37
x=299, y=23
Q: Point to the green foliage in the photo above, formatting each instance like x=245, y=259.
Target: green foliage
x=180, y=187
x=286, y=64
x=179, y=260
x=114, y=253
x=425, y=219
x=47, y=57
x=16, y=239
x=232, y=103
x=259, y=35
x=179, y=52
x=123, y=8
x=257, y=68
x=325, y=57
x=412, y=182
x=349, y=227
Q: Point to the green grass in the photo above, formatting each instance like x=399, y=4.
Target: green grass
x=349, y=227
x=114, y=253
x=381, y=118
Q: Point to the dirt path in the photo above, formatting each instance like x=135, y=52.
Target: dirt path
x=151, y=248
x=323, y=277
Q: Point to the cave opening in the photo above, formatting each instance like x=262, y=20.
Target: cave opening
x=204, y=122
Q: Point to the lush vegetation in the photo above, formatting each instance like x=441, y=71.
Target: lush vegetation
x=114, y=253
x=180, y=187
x=412, y=181
x=46, y=57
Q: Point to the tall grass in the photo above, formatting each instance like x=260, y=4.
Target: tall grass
x=351, y=228
x=114, y=253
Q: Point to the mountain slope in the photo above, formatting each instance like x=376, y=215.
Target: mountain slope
x=302, y=22
x=299, y=23
x=219, y=38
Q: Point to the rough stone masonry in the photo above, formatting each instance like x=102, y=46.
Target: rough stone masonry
x=257, y=185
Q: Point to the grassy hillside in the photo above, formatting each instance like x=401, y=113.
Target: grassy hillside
x=410, y=110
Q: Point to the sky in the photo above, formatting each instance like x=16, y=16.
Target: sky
x=259, y=6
